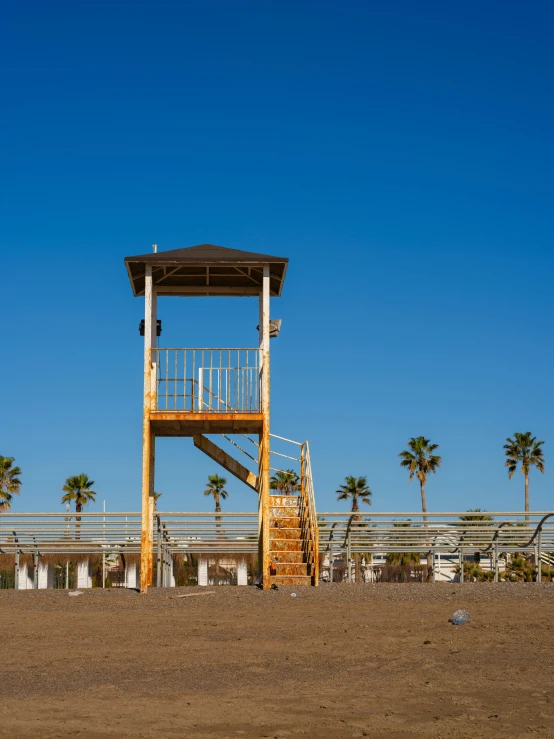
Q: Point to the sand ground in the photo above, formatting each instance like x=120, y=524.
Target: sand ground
x=336, y=661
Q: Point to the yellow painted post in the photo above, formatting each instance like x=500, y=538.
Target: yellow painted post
x=264, y=473
x=148, y=444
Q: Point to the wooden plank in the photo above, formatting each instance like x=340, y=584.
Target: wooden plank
x=193, y=595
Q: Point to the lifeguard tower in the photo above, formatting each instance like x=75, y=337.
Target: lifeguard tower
x=194, y=392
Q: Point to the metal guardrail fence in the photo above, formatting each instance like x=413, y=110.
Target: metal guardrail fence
x=389, y=532
x=378, y=532
x=345, y=535
x=341, y=535
x=207, y=380
x=89, y=533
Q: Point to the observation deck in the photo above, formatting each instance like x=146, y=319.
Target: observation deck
x=205, y=391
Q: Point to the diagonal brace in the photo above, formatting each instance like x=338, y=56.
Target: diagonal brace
x=225, y=460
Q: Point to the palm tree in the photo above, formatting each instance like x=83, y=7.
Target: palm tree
x=420, y=461
x=216, y=487
x=79, y=489
x=403, y=558
x=524, y=449
x=356, y=489
x=476, y=514
x=286, y=482
x=9, y=482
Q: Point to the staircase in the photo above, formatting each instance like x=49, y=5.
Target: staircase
x=291, y=564
x=293, y=535
x=293, y=532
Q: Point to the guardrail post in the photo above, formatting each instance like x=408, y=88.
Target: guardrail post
x=495, y=562
x=349, y=556
x=539, y=551
x=461, y=564
x=331, y=557
x=159, y=560
x=16, y=577
x=537, y=563
x=433, y=566
x=35, y=564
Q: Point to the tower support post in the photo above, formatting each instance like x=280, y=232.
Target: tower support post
x=148, y=439
x=264, y=448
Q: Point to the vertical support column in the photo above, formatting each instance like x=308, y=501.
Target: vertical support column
x=45, y=576
x=242, y=573
x=16, y=571
x=148, y=446
x=84, y=579
x=461, y=564
x=131, y=576
x=203, y=571
x=264, y=453
x=22, y=577
x=171, y=570
x=35, y=573
x=495, y=562
x=433, y=564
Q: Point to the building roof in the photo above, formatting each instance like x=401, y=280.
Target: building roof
x=207, y=270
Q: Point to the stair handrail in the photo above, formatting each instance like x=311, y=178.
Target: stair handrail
x=308, y=502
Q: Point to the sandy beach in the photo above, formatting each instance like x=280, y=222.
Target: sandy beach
x=335, y=661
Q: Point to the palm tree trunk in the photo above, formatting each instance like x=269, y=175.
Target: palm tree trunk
x=217, y=518
x=425, y=520
x=355, y=509
x=78, y=509
x=423, y=503
x=527, y=497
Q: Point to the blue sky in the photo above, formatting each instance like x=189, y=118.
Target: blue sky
x=400, y=154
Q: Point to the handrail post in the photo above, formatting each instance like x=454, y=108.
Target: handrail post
x=433, y=565
x=496, y=562
x=461, y=564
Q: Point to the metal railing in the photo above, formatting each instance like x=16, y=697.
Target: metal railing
x=207, y=380
x=308, y=515
x=345, y=535
x=341, y=535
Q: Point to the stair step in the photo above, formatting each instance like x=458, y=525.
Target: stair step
x=291, y=580
x=295, y=556
x=290, y=569
x=284, y=510
x=285, y=534
x=286, y=545
x=284, y=500
x=289, y=522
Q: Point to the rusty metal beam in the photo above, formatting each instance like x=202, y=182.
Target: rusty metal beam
x=264, y=439
x=147, y=436
x=226, y=461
